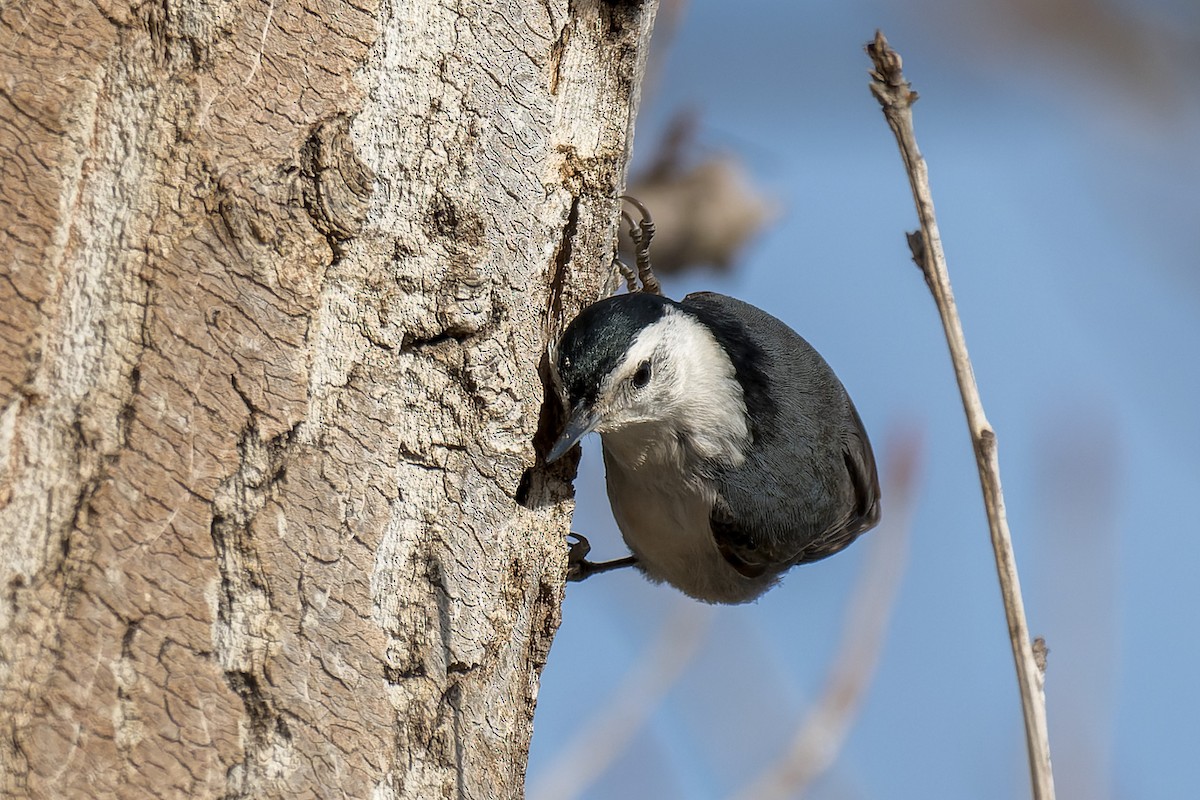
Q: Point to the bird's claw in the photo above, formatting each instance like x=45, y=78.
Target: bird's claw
x=579, y=568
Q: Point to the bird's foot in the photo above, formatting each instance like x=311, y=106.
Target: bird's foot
x=640, y=233
x=579, y=568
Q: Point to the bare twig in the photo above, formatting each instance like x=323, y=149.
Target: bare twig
x=895, y=95
x=819, y=737
x=616, y=719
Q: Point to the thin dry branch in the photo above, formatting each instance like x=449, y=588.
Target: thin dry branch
x=820, y=735
x=896, y=96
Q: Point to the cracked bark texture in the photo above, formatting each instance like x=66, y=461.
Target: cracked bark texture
x=276, y=282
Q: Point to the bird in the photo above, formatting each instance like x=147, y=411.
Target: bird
x=732, y=452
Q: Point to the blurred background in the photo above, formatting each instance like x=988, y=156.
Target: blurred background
x=1062, y=139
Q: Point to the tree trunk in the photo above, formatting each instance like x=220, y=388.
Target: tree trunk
x=276, y=283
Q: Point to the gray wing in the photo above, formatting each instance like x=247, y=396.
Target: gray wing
x=809, y=486
x=862, y=508
x=737, y=545
x=755, y=542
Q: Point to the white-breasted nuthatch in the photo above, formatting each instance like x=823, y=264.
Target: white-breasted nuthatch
x=732, y=452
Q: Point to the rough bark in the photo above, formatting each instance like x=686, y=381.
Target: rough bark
x=276, y=281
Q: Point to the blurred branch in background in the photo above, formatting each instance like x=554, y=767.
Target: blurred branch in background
x=615, y=720
x=822, y=732
x=706, y=210
x=896, y=97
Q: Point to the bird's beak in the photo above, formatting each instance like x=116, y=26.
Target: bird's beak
x=583, y=421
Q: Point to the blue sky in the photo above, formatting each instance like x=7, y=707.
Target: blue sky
x=1065, y=176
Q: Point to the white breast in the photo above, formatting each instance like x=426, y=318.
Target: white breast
x=664, y=521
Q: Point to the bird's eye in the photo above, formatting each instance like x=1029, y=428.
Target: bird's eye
x=642, y=376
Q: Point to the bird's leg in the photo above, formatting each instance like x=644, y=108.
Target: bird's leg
x=579, y=568
x=641, y=234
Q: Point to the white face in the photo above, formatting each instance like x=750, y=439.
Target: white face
x=675, y=379
x=643, y=388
